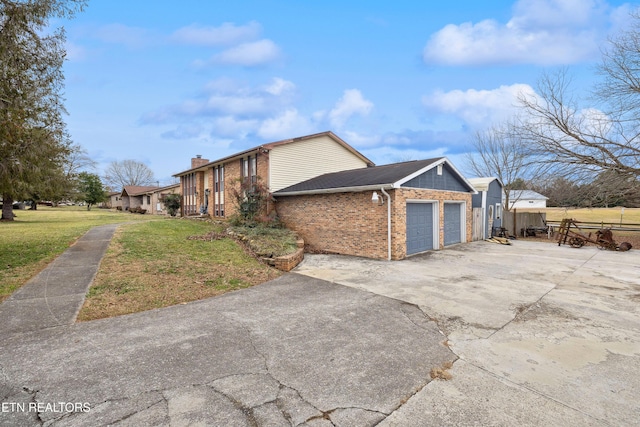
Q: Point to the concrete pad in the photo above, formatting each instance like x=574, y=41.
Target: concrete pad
x=296, y=350
x=475, y=397
x=546, y=334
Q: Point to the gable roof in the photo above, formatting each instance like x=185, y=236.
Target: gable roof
x=271, y=145
x=137, y=190
x=482, y=184
x=515, y=195
x=371, y=178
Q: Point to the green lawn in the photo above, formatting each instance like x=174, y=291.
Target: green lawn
x=35, y=238
x=152, y=261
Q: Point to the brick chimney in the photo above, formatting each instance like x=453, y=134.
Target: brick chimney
x=198, y=161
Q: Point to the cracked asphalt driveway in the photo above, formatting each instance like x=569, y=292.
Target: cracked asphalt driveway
x=536, y=334
x=545, y=334
x=293, y=351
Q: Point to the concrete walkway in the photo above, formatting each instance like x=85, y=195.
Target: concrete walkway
x=56, y=294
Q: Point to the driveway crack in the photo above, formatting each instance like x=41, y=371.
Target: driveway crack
x=521, y=312
x=543, y=395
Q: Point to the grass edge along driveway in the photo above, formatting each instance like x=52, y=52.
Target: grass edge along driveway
x=35, y=238
x=154, y=265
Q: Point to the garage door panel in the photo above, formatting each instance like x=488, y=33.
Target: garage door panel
x=452, y=223
x=419, y=227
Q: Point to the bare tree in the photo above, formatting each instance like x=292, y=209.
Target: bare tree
x=500, y=152
x=603, y=137
x=128, y=172
x=585, y=141
x=78, y=161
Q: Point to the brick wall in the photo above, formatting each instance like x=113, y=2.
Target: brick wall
x=350, y=224
x=232, y=175
x=345, y=223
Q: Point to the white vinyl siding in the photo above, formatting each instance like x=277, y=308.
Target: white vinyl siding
x=302, y=160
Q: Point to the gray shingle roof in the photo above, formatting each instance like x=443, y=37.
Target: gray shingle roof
x=363, y=177
x=525, y=195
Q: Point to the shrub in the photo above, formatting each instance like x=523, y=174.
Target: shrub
x=172, y=202
x=250, y=199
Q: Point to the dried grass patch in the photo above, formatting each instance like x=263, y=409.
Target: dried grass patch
x=442, y=373
x=136, y=275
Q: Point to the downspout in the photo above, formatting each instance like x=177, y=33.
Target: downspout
x=388, y=223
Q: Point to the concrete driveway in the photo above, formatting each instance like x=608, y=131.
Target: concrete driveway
x=293, y=351
x=545, y=335
x=532, y=334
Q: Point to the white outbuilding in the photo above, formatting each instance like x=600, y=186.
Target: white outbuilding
x=522, y=199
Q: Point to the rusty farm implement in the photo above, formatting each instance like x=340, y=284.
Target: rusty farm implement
x=570, y=233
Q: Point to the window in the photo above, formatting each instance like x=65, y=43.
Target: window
x=148, y=200
x=253, y=169
x=439, y=169
x=218, y=189
x=244, y=165
x=498, y=210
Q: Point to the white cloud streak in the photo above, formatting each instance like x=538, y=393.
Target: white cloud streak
x=223, y=35
x=249, y=54
x=478, y=107
x=542, y=32
x=352, y=103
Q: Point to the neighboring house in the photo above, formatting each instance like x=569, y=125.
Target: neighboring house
x=135, y=196
x=114, y=200
x=526, y=199
x=146, y=197
x=157, y=198
x=384, y=212
x=488, y=201
x=205, y=186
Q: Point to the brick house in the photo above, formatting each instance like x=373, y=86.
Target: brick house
x=145, y=197
x=205, y=186
x=384, y=212
x=114, y=200
x=136, y=196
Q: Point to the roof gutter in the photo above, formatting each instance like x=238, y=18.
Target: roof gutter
x=335, y=190
x=388, y=223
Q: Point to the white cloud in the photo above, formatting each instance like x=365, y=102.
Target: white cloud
x=75, y=52
x=352, y=103
x=226, y=34
x=478, y=107
x=184, y=131
x=229, y=126
x=280, y=86
x=545, y=32
x=229, y=99
x=250, y=54
x=289, y=123
x=361, y=140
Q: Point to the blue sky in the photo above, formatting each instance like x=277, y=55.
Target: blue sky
x=161, y=81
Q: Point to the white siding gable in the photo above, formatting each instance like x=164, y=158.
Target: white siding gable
x=301, y=160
